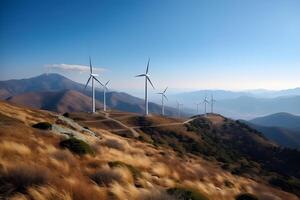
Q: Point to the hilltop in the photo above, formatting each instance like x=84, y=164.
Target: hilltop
x=126, y=156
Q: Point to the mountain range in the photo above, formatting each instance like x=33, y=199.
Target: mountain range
x=244, y=105
x=58, y=93
x=282, y=128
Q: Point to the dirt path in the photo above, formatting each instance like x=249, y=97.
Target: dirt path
x=132, y=129
x=151, y=126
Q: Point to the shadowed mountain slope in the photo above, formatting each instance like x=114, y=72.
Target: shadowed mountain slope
x=282, y=136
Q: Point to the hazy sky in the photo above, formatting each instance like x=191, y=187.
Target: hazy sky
x=224, y=44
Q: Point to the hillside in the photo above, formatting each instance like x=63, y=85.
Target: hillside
x=69, y=161
x=237, y=147
x=47, y=90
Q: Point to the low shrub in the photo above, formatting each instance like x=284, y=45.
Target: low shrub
x=43, y=126
x=134, y=171
x=105, y=177
x=246, y=196
x=228, y=183
x=66, y=114
x=186, y=194
x=77, y=146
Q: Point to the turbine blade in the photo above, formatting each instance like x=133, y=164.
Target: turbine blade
x=150, y=82
x=98, y=81
x=140, y=75
x=107, y=83
x=165, y=90
x=148, y=66
x=87, y=82
x=91, y=68
x=166, y=97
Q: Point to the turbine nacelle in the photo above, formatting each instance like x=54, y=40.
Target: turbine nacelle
x=94, y=75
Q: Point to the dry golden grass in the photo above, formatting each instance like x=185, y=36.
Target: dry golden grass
x=48, y=172
x=10, y=148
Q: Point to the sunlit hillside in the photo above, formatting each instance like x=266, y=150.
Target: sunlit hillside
x=63, y=159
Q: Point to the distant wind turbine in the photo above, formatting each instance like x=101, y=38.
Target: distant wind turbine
x=93, y=77
x=212, y=102
x=163, y=96
x=197, y=104
x=104, y=95
x=146, y=75
x=178, y=109
x=205, y=101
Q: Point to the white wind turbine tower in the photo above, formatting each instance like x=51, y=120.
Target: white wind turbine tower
x=104, y=95
x=178, y=108
x=93, y=77
x=212, y=101
x=146, y=75
x=163, y=96
x=205, y=101
x=197, y=104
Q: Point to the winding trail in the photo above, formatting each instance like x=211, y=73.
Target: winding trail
x=132, y=128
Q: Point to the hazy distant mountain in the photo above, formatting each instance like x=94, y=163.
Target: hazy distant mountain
x=243, y=105
x=272, y=94
x=193, y=97
x=225, y=94
x=250, y=107
x=58, y=93
x=282, y=136
x=284, y=120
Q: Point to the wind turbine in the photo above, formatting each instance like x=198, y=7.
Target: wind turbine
x=146, y=75
x=104, y=95
x=212, y=101
x=93, y=77
x=163, y=96
x=205, y=101
x=197, y=104
x=178, y=108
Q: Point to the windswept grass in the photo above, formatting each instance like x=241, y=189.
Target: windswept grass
x=105, y=177
x=18, y=178
x=135, y=172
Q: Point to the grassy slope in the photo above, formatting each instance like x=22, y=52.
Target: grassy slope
x=34, y=166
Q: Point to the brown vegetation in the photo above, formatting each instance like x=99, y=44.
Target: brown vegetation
x=34, y=166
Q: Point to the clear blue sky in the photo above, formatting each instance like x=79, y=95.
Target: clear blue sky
x=193, y=44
